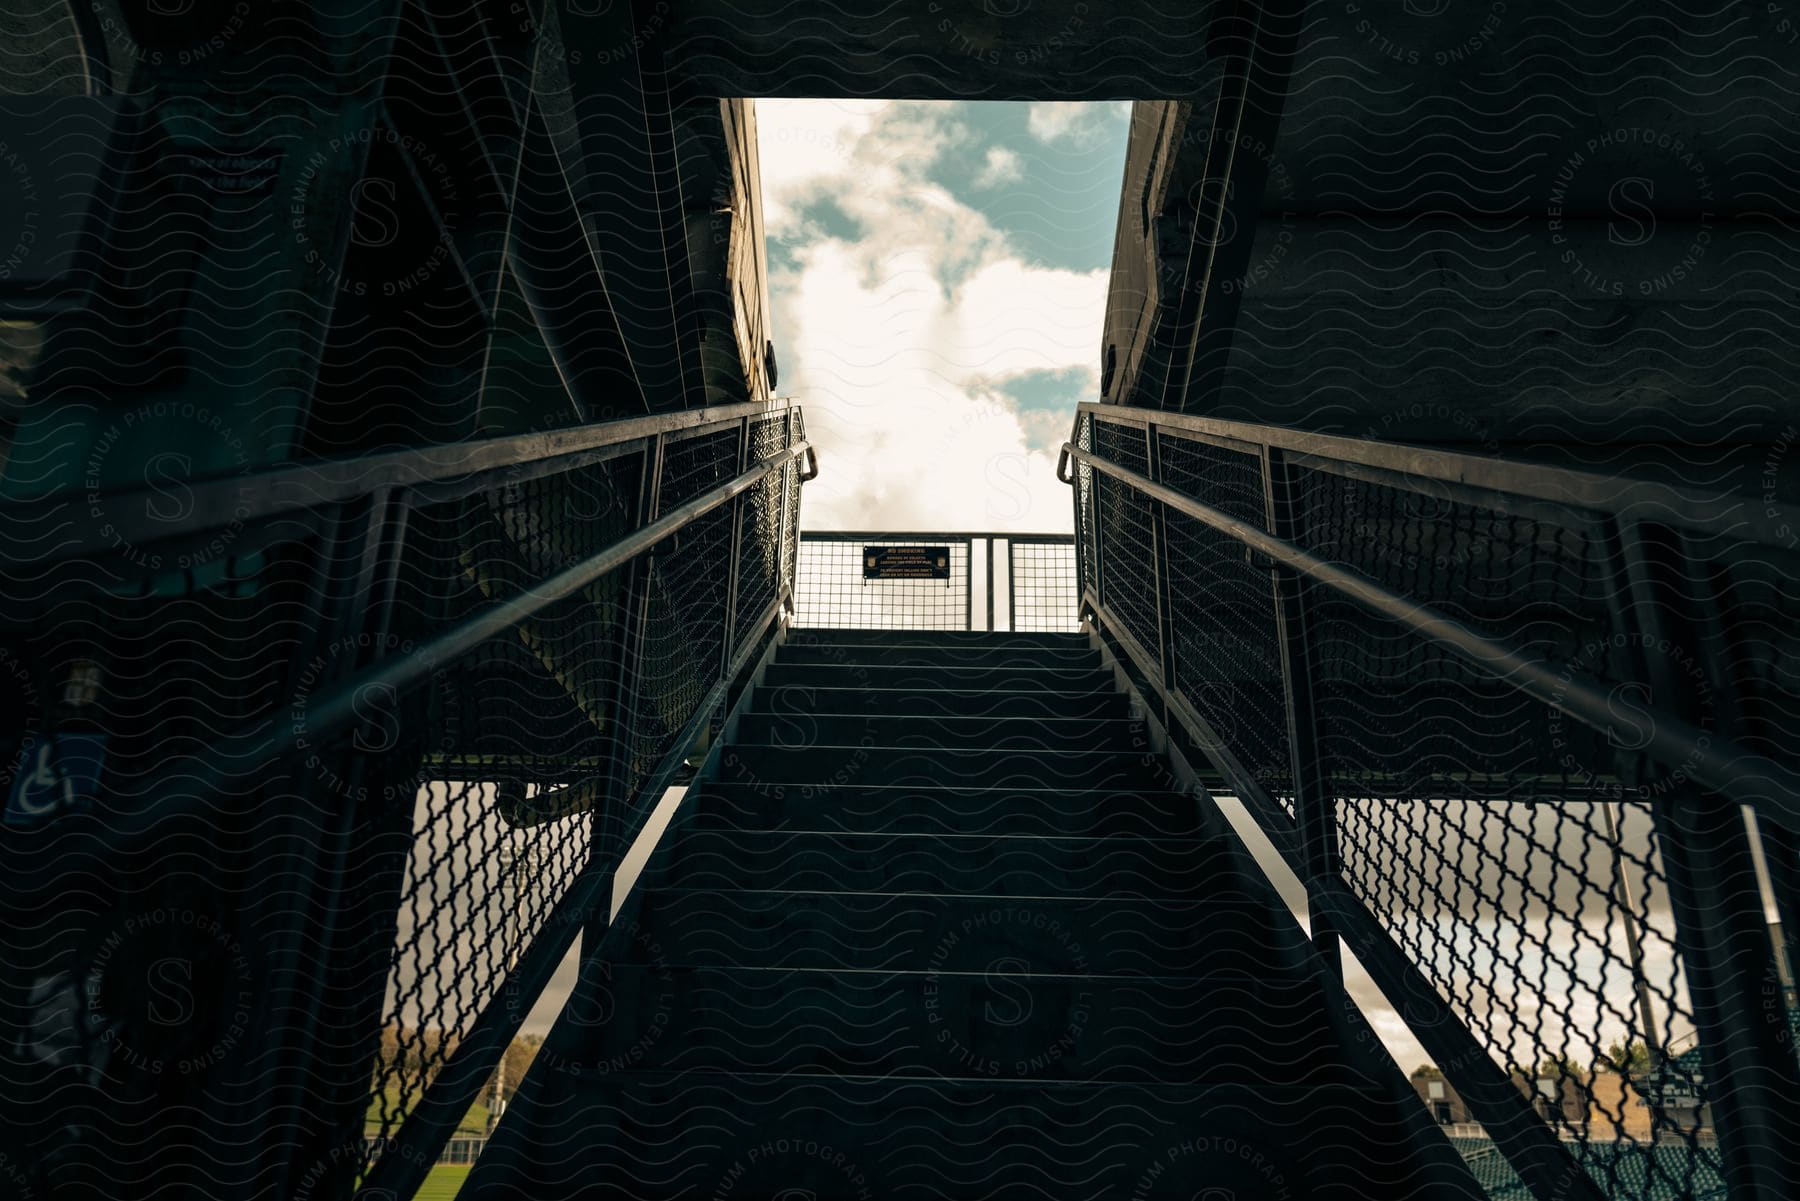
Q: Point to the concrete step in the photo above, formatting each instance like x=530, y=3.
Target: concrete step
x=813, y=636
x=873, y=675
x=970, y=865
x=994, y=1017
x=739, y=1136
x=926, y=767
x=867, y=697
x=1043, y=811
x=900, y=932
x=953, y=654
x=793, y=731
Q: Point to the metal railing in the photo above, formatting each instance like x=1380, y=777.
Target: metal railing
x=348, y=753
x=1505, y=721
x=996, y=581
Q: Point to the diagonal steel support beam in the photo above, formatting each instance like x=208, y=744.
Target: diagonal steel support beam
x=629, y=184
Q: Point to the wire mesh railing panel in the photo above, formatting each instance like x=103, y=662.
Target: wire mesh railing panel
x=790, y=527
x=683, y=639
x=1223, y=633
x=697, y=462
x=1540, y=577
x=768, y=436
x=1042, y=581
x=759, y=568
x=830, y=590
x=1124, y=529
x=682, y=648
x=1548, y=929
x=764, y=507
x=511, y=744
x=544, y=700
x=1478, y=822
x=1403, y=716
x=484, y=869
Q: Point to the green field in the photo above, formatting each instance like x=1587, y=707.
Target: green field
x=443, y=1183
x=475, y=1121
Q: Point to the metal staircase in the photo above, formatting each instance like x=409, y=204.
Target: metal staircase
x=941, y=923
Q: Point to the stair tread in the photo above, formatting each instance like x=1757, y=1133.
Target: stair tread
x=836, y=765
x=850, y=674
x=917, y=809
x=890, y=637
x=974, y=1020
x=1006, y=865
x=1106, y=936
x=866, y=696
x=753, y=1135
x=801, y=730
x=949, y=655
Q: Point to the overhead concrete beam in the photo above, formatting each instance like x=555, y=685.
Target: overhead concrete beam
x=942, y=49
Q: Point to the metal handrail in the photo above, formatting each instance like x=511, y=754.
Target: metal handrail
x=1752, y=779
x=1737, y=516
x=185, y=784
x=233, y=499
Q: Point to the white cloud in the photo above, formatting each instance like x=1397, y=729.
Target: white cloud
x=898, y=380
x=897, y=344
x=1062, y=120
x=1000, y=166
x=805, y=144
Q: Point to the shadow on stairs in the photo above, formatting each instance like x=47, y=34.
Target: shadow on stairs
x=942, y=928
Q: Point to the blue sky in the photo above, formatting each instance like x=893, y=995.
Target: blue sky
x=938, y=272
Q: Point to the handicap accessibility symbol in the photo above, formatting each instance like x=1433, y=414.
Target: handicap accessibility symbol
x=55, y=776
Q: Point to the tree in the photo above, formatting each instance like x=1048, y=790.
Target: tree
x=519, y=1055
x=1558, y=1065
x=1628, y=1059
x=1426, y=1071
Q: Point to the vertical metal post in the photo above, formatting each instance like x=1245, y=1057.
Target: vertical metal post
x=1098, y=563
x=786, y=570
x=1012, y=590
x=1315, y=805
x=1781, y=855
x=636, y=625
x=1159, y=565
x=1780, y=845
x=987, y=558
x=969, y=584
x=1750, y=1073
x=1078, y=544
x=735, y=551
